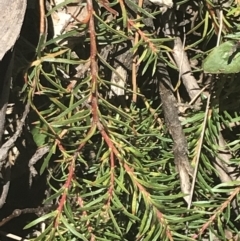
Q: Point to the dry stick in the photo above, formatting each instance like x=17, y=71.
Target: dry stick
x=12, y=236
x=40, y=152
x=73, y=15
x=188, y=79
x=220, y=27
x=122, y=62
x=180, y=57
x=5, y=188
x=17, y=213
x=184, y=108
x=180, y=150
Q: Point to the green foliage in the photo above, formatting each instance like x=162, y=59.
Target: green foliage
x=111, y=169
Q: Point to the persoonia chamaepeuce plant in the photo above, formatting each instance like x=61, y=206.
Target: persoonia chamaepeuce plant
x=138, y=143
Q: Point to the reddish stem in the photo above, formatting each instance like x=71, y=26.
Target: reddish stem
x=64, y=195
x=101, y=128
x=110, y=190
x=218, y=210
x=144, y=37
x=89, y=227
x=131, y=174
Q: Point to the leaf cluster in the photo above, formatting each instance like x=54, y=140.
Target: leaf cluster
x=111, y=169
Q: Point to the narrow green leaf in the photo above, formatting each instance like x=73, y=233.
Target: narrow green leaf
x=137, y=9
x=114, y=222
x=41, y=219
x=72, y=229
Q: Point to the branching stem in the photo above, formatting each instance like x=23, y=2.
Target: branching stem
x=217, y=212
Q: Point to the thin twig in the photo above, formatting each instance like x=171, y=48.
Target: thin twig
x=141, y=188
x=89, y=227
x=184, y=108
x=182, y=61
x=17, y=212
x=40, y=152
x=216, y=213
x=181, y=57
x=93, y=53
x=103, y=131
x=220, y=26
x=5, y=189
x=94, y=97
x=64, y=195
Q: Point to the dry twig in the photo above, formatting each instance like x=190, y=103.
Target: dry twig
x=169, y=104
x=181, y=58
